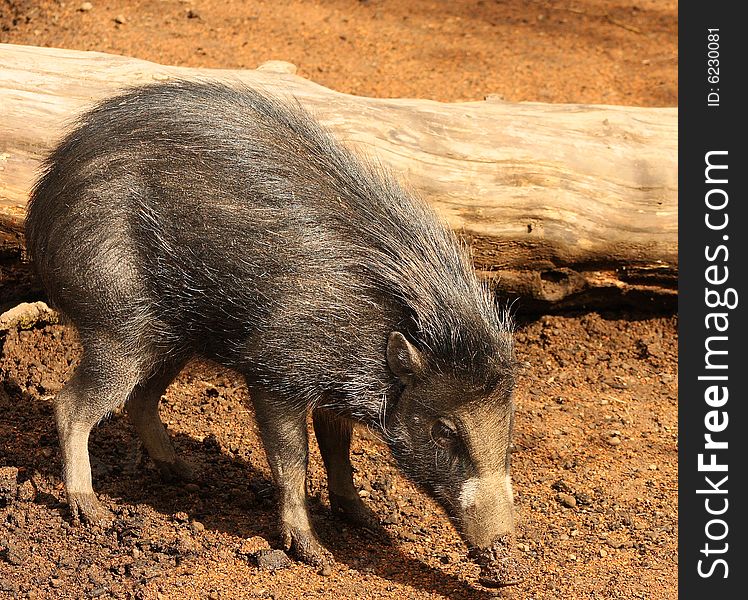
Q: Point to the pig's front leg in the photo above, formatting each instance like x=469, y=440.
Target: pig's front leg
x=284, y=435
x=334, y=439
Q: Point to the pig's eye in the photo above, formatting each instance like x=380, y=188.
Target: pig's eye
x=444, y=434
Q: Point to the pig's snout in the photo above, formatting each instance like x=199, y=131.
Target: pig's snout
x=499, y=565
x=486, y=504
x=488, y=528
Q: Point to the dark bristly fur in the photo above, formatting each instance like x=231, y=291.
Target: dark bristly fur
x=187, y=218
x=267, y=191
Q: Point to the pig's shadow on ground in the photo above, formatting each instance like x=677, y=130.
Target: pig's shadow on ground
x=233, y=495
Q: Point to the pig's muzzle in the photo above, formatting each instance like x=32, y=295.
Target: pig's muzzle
x=488, y=527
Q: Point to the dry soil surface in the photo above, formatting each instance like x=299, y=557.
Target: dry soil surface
x=596, y=51
x=595, y=449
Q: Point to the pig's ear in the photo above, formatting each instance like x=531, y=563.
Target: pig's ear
x=403, y=358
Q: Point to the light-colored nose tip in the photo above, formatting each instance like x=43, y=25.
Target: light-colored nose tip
x=482, y=533
x=488, y=510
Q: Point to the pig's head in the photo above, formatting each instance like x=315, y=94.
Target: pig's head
x=450, y=432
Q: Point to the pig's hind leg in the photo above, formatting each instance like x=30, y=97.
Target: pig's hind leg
x=142, y=408
x=333, y=435
x=101, y=383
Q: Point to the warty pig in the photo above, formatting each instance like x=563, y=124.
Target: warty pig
x=192, y=219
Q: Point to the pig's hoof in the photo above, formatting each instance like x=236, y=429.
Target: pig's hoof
x=354, y=511
x=305, y=547
x=177, y=471
x=87, y=508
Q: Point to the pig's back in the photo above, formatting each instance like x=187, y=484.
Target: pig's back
x=230, y=222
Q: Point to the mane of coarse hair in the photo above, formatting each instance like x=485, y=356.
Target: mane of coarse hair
x=451, y=315
x=408, y=253
x=401, y=246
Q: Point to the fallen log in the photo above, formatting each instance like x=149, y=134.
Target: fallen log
x=564, y=206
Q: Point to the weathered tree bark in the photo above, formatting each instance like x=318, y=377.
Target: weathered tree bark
x=564, y=206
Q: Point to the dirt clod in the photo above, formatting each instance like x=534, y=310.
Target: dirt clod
x=499, y=565
x=26, y=491
x=567, y=500
x=8, y=484
x=613, y=440
x=271, y=560
x=197, y=527
x=13, y=554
